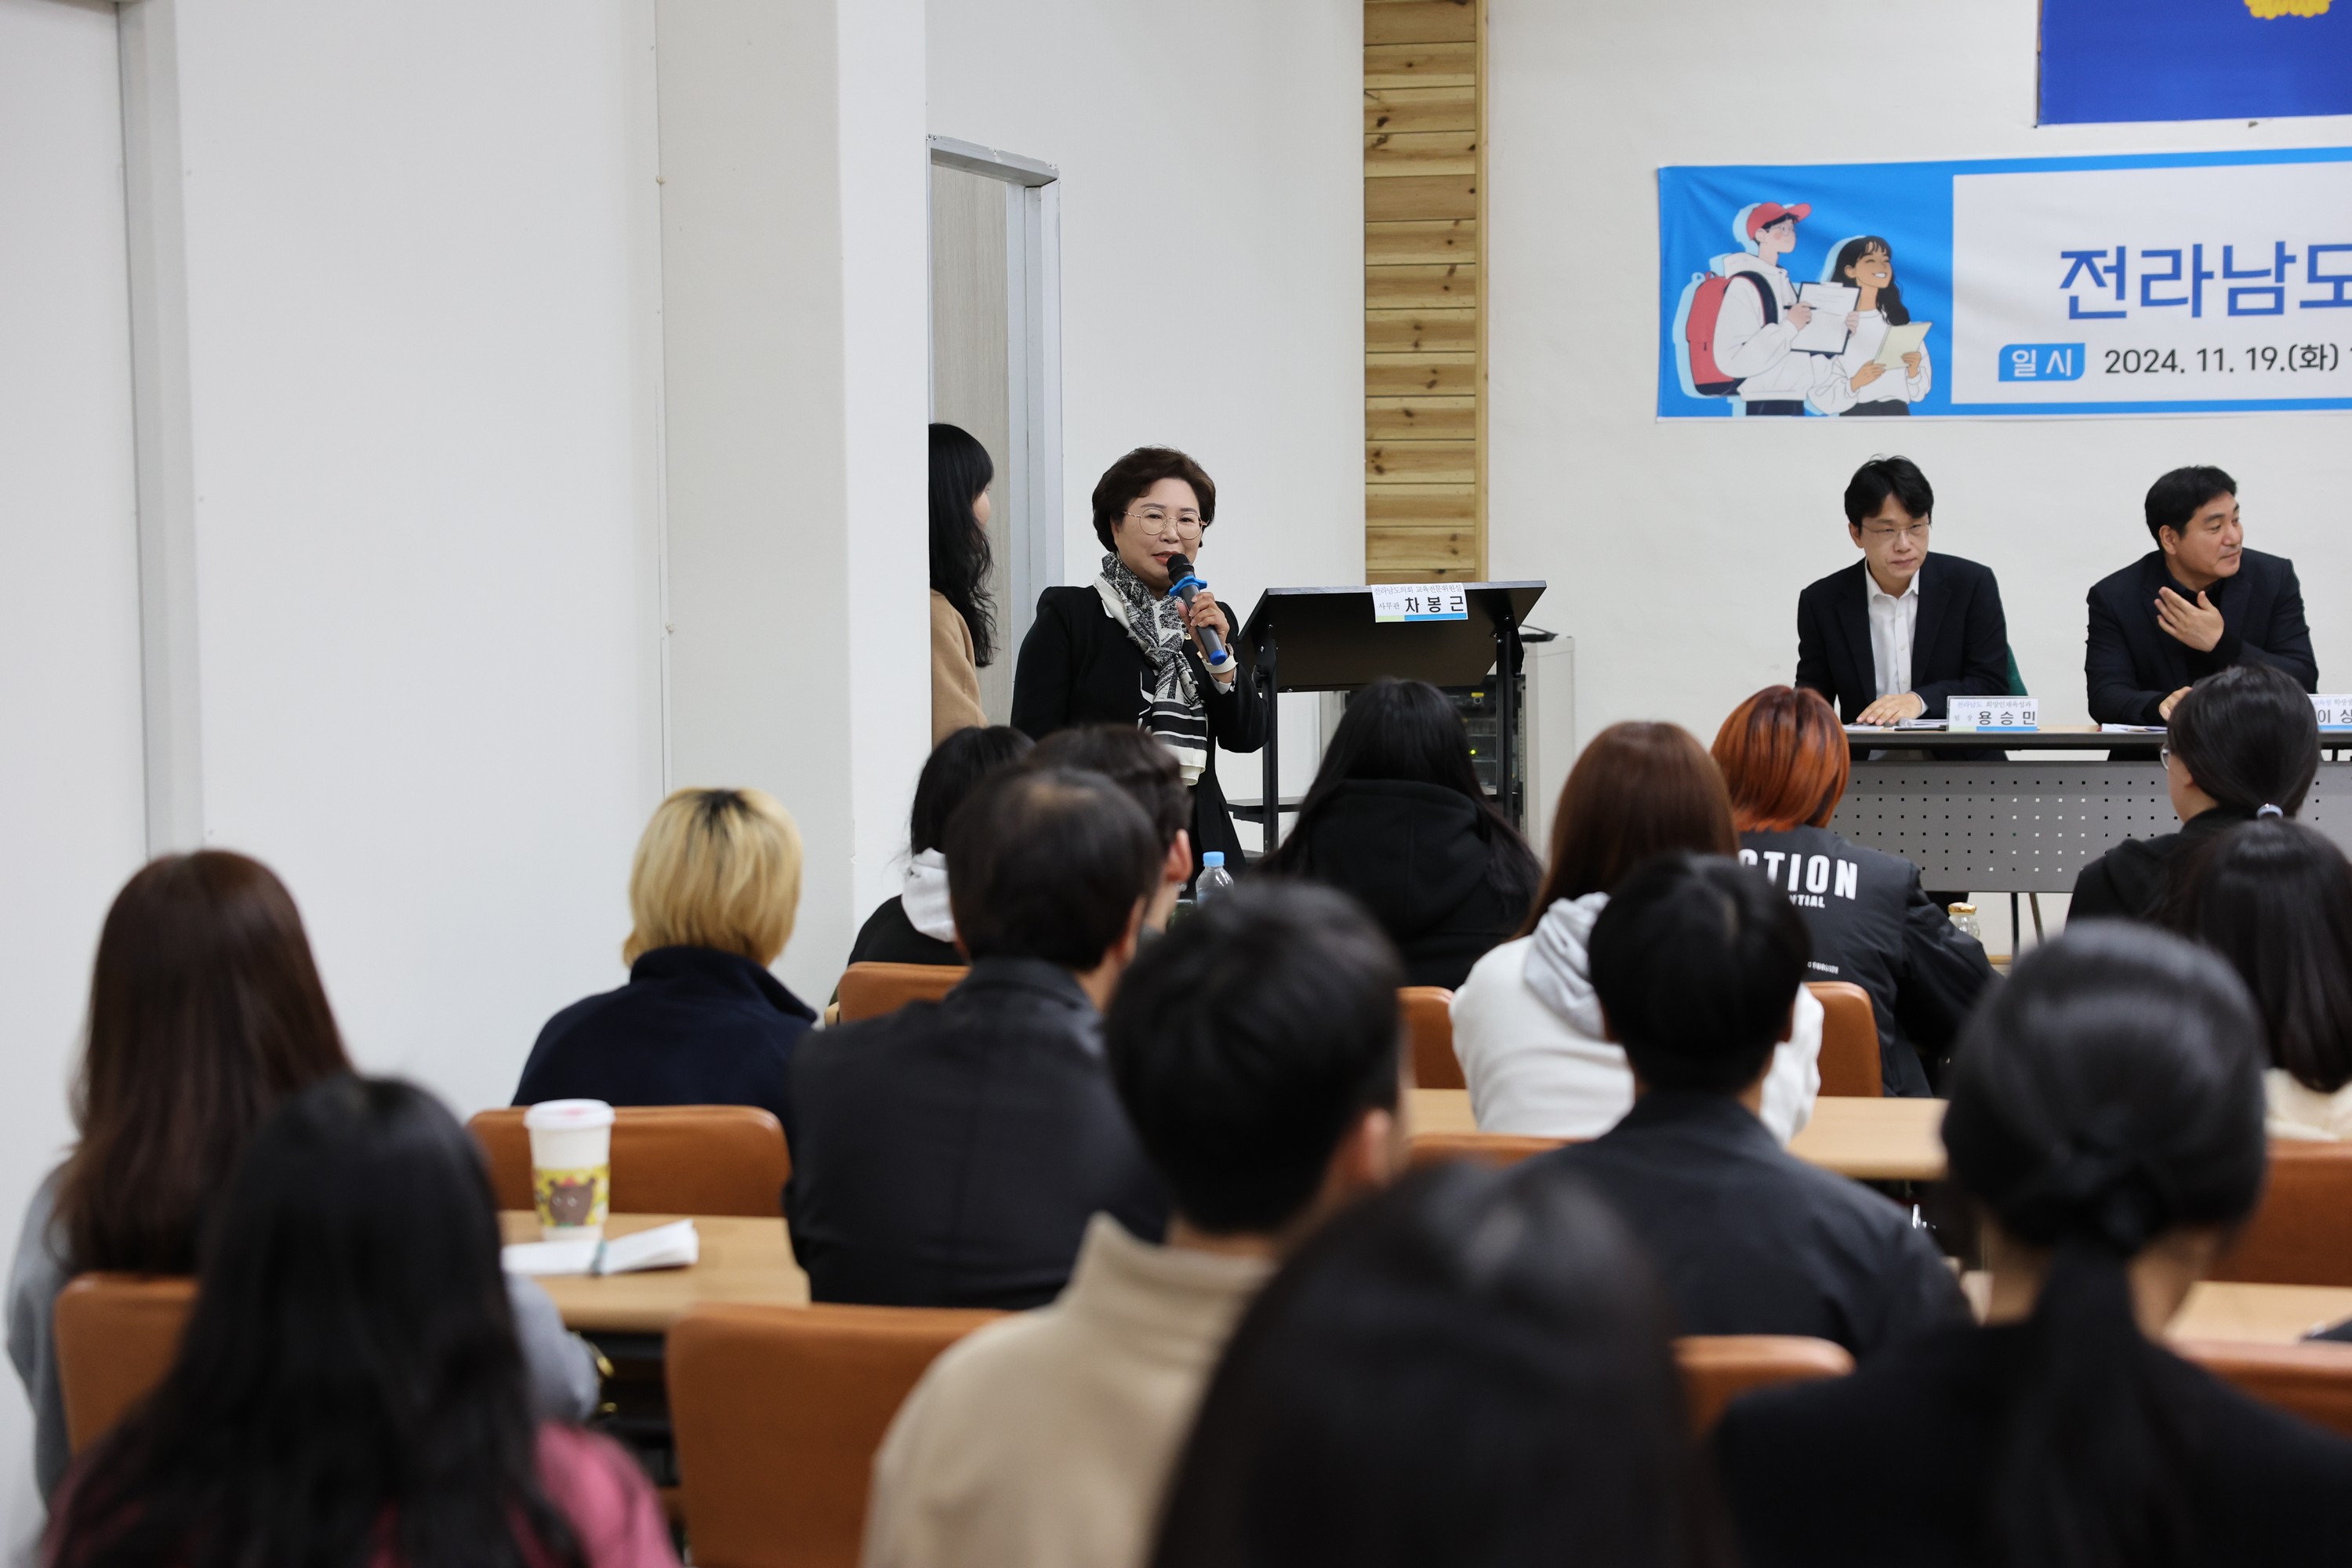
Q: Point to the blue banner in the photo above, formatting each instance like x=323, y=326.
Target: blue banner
x=2105, y=60
x=2140, y=284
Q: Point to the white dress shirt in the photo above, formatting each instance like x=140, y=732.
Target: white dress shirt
x=1892, y=622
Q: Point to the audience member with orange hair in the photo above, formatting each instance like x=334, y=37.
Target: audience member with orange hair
x=1784, y=759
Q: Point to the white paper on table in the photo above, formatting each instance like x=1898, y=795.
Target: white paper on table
x=674, y=1246
x=549, y=1258
x=1831, y=303
x=1900, y=340
x=2131, y=729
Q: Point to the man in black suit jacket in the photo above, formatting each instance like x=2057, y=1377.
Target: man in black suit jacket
x=1897, y=635
x=2200, y=602
x=950, y=1154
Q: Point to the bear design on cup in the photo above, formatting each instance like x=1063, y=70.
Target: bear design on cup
x=571, y=1202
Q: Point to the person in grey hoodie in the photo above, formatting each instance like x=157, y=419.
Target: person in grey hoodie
x=1526, y=1025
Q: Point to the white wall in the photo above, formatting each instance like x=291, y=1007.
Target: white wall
x=1212, y=162
x=422, y=294
x=71, y=812
x=1676, y=551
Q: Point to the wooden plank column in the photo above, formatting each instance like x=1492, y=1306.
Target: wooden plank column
x=1424, y=331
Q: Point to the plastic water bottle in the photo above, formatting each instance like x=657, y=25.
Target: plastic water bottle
x=1214, y=878
x=1964, y=916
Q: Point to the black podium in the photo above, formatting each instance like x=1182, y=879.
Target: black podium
x=1326, y=639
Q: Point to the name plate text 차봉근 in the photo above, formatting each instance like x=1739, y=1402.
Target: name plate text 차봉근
x=1967, y=713
x=1419, y=602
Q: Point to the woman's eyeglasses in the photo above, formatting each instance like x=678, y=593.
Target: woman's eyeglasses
x=1160, y=523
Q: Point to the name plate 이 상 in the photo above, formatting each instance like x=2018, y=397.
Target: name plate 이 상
x=1994, y=713
x=2333, y=710
x=1419, y=602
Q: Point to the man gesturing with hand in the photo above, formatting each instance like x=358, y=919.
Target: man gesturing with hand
x=2200, y=602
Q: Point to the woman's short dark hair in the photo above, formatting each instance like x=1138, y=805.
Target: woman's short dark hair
x=1136, y=762
x=1883, y=477
x=1245, y=1043
x=2276, y=899
x=2249, y=737
x=2109, y=1093
x=954, y=769
x=1048, y=864
x=205, y=1011
x=1637, y=790
x=349, y=1388
x=1409, y=731
x=960, y=558
x=1135, y=474
x=1472, y=1367
x=1697, y=962
x=2173, y=499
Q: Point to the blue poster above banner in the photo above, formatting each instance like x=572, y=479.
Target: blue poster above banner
x=2160, y=284
x=2104, y=61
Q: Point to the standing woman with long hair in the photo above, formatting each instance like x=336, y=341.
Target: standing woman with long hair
x=963, y=616
x=2106, y=1118
x=1856, y=385
x=206, y=1011
x=349, y=1389
x=1397, y=816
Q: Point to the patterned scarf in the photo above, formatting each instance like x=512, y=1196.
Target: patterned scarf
x=1175, y=716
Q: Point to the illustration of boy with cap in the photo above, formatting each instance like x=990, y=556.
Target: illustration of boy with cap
x=1755, y=324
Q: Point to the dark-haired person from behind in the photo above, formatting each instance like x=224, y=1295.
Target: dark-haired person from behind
x=917, y=925
x=1256, y=1050
x=1900, y=633
x=712, y=898
x=1147, y=771
x=950, y=1154
x=1119, y=650
x=349, y=1388
x=2274, y=898
x=1470, y=1369
x=2106, y=1117
x=1397, y=816
x=205, y=1012
x=963, y=617
x=2201, y=602
x=1695, y=961
x=2243, y=743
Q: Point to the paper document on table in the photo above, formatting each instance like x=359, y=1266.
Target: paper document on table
x=1831, y=303
x=1900, y=340
x=2131, y=729
x=674, y=1246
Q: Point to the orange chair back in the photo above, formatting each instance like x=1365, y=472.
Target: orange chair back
x=870, y=990
x=1849, y=1039
x=1718, y=1368
x=1487, y=1148
x=666, y=1159
x=778, y=1412
x=116, y=1337
x=1429, y=1033
x=2302, y=1233
x=2313, y=1380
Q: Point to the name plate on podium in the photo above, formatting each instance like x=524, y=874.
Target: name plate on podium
x=1994, y=714
x=1419, y=602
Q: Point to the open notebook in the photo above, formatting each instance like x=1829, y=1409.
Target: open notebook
x=674, y=1246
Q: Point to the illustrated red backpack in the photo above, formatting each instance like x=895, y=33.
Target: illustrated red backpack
x=1702, y=303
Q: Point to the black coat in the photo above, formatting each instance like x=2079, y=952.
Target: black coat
x=693, y=1026
x=2130, y=881
x=1872, y=925
x=1911, y=1439
x=889, y=937
x=1959, y=649
x=1079, y=667
x=1749, y=1239
x=2131, y=664
x=1413, y=854
x=950, y=1154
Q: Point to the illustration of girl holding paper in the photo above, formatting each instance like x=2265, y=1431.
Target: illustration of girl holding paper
x=1884, y=368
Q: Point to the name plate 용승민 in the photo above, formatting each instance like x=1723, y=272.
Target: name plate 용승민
x=1994, y=713
x=1419, y=602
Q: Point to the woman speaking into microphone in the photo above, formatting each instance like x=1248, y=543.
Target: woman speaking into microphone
x=1127, y=649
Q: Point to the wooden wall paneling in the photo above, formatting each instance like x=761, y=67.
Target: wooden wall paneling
x=1424, y=326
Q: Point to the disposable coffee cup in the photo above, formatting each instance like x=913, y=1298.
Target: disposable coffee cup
x=571, y=1167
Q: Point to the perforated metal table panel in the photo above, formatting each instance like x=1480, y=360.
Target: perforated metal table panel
x=2027, y=826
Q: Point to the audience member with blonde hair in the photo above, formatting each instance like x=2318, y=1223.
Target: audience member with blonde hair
x=1785, y=761
x=1526, y=1025
x=701, y=1022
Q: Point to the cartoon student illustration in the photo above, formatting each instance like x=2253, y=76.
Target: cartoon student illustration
x=1737, y=324
x=1854, y=383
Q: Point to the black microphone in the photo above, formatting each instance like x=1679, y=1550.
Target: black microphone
x=1182, y=585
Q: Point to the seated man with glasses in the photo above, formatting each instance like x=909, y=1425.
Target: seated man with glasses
x=1897, y=636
